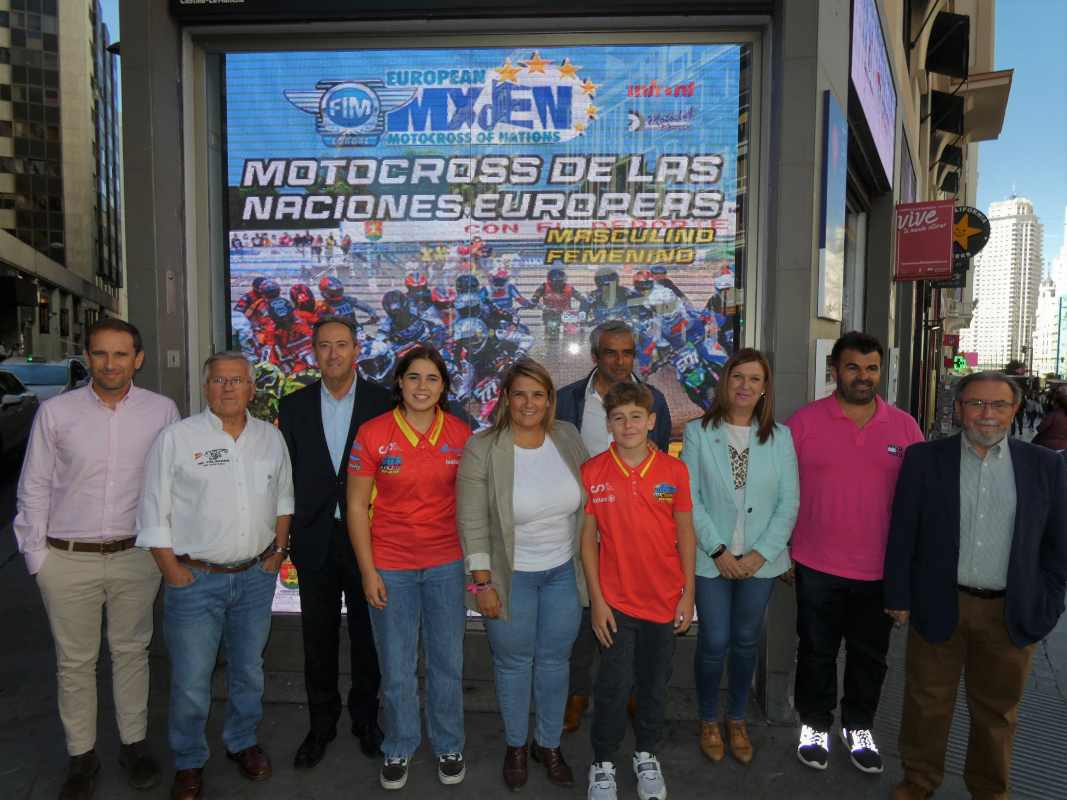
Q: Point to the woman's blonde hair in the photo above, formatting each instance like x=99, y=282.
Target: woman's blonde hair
x=524, y=368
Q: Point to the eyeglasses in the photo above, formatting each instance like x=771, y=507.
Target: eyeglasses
x=237, y=380
x=996, y=405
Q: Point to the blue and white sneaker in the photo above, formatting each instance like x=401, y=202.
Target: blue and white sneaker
x=862, y=750
x=650, y=783
x=602, y=781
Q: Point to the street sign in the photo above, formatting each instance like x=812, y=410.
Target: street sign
x=970, y=233
x=924, y=241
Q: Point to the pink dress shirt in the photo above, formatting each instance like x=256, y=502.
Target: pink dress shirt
x=84, y=467
x=848, y=476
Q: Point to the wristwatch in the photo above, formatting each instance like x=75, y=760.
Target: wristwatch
x=283, y=550
x=718, y=551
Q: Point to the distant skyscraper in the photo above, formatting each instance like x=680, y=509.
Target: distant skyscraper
x=1047, y=329
x=1007, y=278
x=1058, y=268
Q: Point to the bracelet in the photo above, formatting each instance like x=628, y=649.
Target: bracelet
x=479, y=588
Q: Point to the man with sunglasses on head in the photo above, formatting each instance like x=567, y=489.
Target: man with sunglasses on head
x=976, y=563
x=217, y=501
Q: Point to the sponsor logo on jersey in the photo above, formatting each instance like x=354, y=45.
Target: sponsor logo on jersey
x=212, y=458
x=390, y=465
x=665, y=492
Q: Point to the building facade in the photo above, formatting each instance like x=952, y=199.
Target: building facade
x=1007, y=283
x=826, y=113
x=60, y=189
x=1046, y=343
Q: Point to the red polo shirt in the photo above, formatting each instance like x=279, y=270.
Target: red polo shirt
x=847, y=479
x=640, y=568
x=413, y=513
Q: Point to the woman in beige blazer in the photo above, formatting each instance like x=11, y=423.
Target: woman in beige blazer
x=519, y=501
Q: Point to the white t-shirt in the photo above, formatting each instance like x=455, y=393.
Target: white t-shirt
x=738, y=447
x=544, y=499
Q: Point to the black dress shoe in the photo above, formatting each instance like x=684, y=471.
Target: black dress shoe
x=81, y=777
x=312, y=749
x=370, y=737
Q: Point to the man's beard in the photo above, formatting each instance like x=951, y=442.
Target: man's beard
x=850, y=393
x=985, y=437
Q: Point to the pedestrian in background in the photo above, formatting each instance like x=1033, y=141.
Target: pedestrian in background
x=745, y=496
x=77, y=503
x=218, y=496
x=976, y=564
x=1053, y=430
x=849, y=450
x=411, y=562
x=520, y=501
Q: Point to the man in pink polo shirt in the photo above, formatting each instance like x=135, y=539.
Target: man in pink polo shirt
x=849, y=450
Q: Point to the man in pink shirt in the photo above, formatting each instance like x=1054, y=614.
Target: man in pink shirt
x=77, y=501
x=849, y=450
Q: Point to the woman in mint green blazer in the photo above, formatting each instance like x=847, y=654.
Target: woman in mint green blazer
x=743, y=472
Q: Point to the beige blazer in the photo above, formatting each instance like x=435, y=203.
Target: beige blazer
x=484, y=509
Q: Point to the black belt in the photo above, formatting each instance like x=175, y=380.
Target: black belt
x=982, y=594
x=104, y=548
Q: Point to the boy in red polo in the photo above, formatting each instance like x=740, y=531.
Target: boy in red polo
x=641, y=582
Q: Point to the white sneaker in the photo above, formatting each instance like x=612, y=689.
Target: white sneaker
x=650, y=783
x=602, y=781
x=814, y=747
x=394, y=773
x=862, y=750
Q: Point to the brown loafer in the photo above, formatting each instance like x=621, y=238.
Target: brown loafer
x=906, y=790
x=188, y=784
x=711, y=743
x=253, y=763
x=572, y=716
x=552, y=757
x=740, y=744
x=515, y=769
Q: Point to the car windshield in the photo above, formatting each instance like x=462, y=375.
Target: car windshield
x=39, y=374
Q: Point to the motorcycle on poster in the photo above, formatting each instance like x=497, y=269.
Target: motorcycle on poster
x=493, y=202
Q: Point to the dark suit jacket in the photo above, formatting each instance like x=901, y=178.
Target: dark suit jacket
x=317, y=486
x=570, y=406
x=922, y=556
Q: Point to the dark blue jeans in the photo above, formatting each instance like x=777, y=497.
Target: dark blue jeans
x=216, y=607
x=730, y=622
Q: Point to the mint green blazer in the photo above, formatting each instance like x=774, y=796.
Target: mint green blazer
x=772, y=495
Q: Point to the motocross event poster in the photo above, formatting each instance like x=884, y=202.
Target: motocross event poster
x=495, y=202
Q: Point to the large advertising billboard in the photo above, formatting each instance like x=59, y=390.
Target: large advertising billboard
x=495, y=202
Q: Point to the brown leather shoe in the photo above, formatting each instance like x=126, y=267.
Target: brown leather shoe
x=80, y=783
x=188, y=784
x=905, y=790
x=711, y=743
x=253, y=763
x=552, y=757
x=572, y=716
x=740, y=744
x=515, y=770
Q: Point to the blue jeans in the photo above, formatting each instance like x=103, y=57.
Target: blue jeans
x=534, y=646
x=430, y=599
x=730, y=618
x=216, y=607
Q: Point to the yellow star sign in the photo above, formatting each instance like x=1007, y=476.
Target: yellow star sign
x=589, y=87
x=592, y=111
x=536, y=64
x=568, y=70
x=963, y=231
x=579, y=127
x=509, y=72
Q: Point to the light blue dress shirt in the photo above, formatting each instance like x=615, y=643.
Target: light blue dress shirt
x=336, y=417
x=987, y=515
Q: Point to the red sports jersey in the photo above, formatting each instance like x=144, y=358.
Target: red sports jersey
x=640, y=568
x=413, y=520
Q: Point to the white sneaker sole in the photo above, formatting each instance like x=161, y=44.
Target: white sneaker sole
x=812, y=764
x=643, y=795
x=392, y=785
x=858, y=765
x=452, y=780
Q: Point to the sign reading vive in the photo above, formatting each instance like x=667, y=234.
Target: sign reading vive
x=924, y=241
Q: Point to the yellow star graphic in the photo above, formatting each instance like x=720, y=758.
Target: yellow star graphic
x=963, y=231
x=589, y=87
x=568, y=70
x=592, y=111
x=579, y=127
x=536, y=64
x=508, y=73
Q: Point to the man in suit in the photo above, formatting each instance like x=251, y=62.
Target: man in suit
x=319, y=423
x=977, y=563
x=613, y=347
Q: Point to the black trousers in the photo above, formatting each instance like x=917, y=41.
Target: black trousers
x=829, y=609
x=583, y=657
x=320, y=612
x=641, y=657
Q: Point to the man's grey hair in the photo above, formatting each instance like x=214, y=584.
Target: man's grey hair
x=989, y=375
x=225, y=355
x=612, y=326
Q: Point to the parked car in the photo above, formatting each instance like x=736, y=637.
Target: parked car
x=48, y=378
x=17, y=407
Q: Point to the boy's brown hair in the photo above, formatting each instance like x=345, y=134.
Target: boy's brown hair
x=622, y=394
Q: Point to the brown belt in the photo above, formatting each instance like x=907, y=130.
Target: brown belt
x=240, y=566
x=983, y=594
x=104, y=548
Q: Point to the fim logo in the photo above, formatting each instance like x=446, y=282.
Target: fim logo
x=350, y=113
